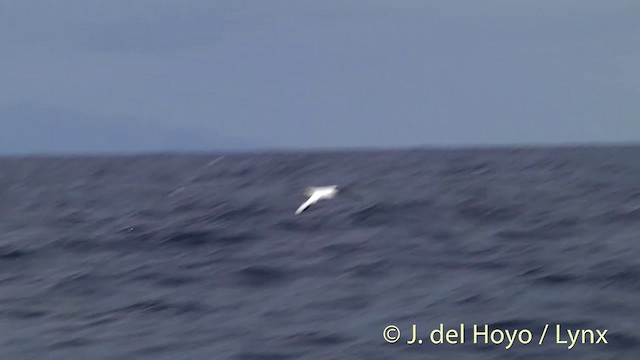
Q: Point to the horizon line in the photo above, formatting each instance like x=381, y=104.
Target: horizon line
x=324, y=149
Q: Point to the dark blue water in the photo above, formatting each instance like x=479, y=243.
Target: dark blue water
x=98, y=261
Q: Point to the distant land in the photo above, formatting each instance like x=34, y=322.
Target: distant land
x=26, y=129
x=42, y=130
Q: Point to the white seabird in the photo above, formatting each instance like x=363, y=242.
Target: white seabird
x=317, y=193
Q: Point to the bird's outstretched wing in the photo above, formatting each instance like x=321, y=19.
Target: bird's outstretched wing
x=312, y=200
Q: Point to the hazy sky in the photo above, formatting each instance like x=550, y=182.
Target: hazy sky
x=125, y=75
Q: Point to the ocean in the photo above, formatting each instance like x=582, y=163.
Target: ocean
x=101, y=257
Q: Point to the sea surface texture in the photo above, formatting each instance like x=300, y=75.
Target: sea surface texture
x=164, y=258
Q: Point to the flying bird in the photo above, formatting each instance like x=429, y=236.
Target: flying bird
x=316, y=193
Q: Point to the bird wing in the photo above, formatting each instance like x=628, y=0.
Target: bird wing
x=312, y=200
